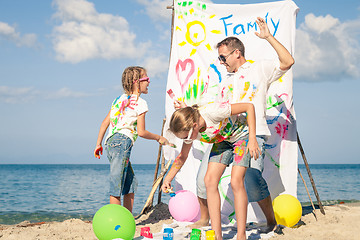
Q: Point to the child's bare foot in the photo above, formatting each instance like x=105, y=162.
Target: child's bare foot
x=199, y=224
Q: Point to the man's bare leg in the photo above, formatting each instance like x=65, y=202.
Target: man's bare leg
x=204, y=215
x=266, y=207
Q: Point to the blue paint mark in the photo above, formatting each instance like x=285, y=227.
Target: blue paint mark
x=269, y=146
x=117, y=227
x=217, y=71
x=272, y=121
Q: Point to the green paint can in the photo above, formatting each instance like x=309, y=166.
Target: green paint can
x=195, y=234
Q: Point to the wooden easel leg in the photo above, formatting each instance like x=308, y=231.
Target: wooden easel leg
x=310, y=175
x=307, y=190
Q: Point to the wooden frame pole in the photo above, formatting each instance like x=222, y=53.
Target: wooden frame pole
x=307, y=191
x=309, y=173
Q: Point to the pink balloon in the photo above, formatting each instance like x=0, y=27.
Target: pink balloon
x=184, y=206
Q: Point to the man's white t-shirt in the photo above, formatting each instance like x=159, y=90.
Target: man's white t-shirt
x=250, y=84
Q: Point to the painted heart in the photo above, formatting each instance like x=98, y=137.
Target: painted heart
x=183, y=67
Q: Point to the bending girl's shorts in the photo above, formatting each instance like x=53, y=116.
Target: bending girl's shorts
x=226, y=153
x=122, y=176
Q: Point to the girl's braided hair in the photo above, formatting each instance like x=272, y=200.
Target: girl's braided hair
x=129, y=77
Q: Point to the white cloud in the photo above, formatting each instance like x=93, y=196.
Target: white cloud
x=327, y=49
x=156, y=66
x=67, y=93
x=86, y=34
x=157, y=9
x=8, y=32
x=27, y=94
x=17, y=95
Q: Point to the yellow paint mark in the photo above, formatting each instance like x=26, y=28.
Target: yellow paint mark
x=196, y=35
x=280, y=79
x=216, y=31
x=242, y=96
x=212, y=16
x=193, y=52
x=198, y=77
x=247, y=85
x=208, y=46
x=187, y=35
x=252, y=96
x=191, y=11
x=177, y=28
x=182, y=43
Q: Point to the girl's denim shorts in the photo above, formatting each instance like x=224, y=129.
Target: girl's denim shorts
x=226, y=153
x=122, y=176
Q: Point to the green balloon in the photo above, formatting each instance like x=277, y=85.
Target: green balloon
x=114, y=221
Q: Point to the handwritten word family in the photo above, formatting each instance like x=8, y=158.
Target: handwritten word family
x=231, y=27
x=243, y=28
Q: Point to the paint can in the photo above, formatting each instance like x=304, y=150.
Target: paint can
x=145, y=232
x=210, y=235
x=195, y=234
x=168, y=234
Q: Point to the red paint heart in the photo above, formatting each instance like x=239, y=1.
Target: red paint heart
x=182, y=66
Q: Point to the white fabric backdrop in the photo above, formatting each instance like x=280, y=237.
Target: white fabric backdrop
x=195, y=73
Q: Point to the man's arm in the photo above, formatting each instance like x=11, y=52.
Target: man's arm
x=285, y=58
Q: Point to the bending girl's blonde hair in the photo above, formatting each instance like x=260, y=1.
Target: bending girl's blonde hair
x=183, y=119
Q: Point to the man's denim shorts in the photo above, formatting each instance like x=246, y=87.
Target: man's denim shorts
x=255, y=184
x=122, y=176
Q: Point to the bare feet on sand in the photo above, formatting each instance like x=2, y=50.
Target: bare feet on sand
x=267, y=229
x=199, y=224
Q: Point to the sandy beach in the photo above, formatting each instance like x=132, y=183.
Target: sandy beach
x=341, y=221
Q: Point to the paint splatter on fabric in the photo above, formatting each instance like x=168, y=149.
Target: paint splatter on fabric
x=239, y=150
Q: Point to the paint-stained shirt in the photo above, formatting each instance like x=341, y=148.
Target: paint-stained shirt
x=251, y=83
x=221, y=125
x=123, y=115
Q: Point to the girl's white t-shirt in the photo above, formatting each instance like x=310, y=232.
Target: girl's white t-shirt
x=123, y=115
x=220, y=124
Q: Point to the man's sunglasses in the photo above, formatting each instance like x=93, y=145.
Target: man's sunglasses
x=223, y=58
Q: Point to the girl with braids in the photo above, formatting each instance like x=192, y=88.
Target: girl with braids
x=235, y=134
x=127, y=121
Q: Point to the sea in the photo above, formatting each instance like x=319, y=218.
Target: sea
x=49, y=192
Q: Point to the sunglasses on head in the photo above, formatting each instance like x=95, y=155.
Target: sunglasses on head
x=223, y=58
x=188, y=140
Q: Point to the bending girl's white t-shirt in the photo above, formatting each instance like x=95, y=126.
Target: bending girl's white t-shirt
x=220, y=124
x=123, y=115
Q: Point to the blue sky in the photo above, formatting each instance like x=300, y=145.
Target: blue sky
x=54, y=92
